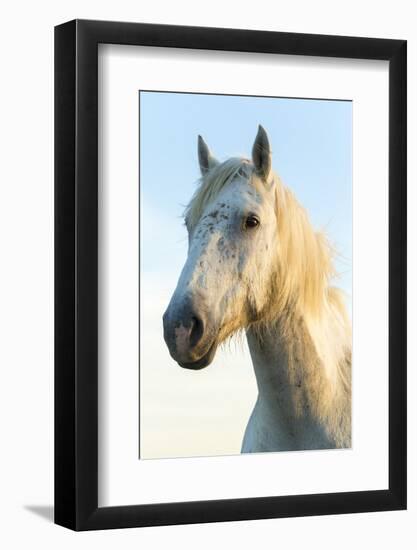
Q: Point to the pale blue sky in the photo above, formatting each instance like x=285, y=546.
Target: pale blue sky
x=311, y=142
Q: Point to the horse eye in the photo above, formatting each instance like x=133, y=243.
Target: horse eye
x=251, y=222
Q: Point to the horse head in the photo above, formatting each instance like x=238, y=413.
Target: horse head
x=232, y=224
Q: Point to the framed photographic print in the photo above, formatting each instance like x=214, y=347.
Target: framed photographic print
x=230, y=253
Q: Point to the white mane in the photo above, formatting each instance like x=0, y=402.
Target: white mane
x=304, y=257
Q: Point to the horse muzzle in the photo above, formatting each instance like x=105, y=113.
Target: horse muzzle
x=189, y=335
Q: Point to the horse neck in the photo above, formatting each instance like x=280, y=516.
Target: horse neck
x=296, y=381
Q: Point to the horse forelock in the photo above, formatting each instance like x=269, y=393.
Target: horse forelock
x=210, y=185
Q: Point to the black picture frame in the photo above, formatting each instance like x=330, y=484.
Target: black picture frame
x=76, y=272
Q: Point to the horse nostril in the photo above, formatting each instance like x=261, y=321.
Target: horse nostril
x=197, y=329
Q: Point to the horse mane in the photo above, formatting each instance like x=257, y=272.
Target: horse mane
x=304, y=256
x=304, y=268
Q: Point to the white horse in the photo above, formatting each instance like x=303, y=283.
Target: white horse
x=256, y=264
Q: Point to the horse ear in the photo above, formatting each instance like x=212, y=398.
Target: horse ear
x=261, y=154
x=205, y=158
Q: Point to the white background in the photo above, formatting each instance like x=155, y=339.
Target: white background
x=122, y=478
x=26, y=301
